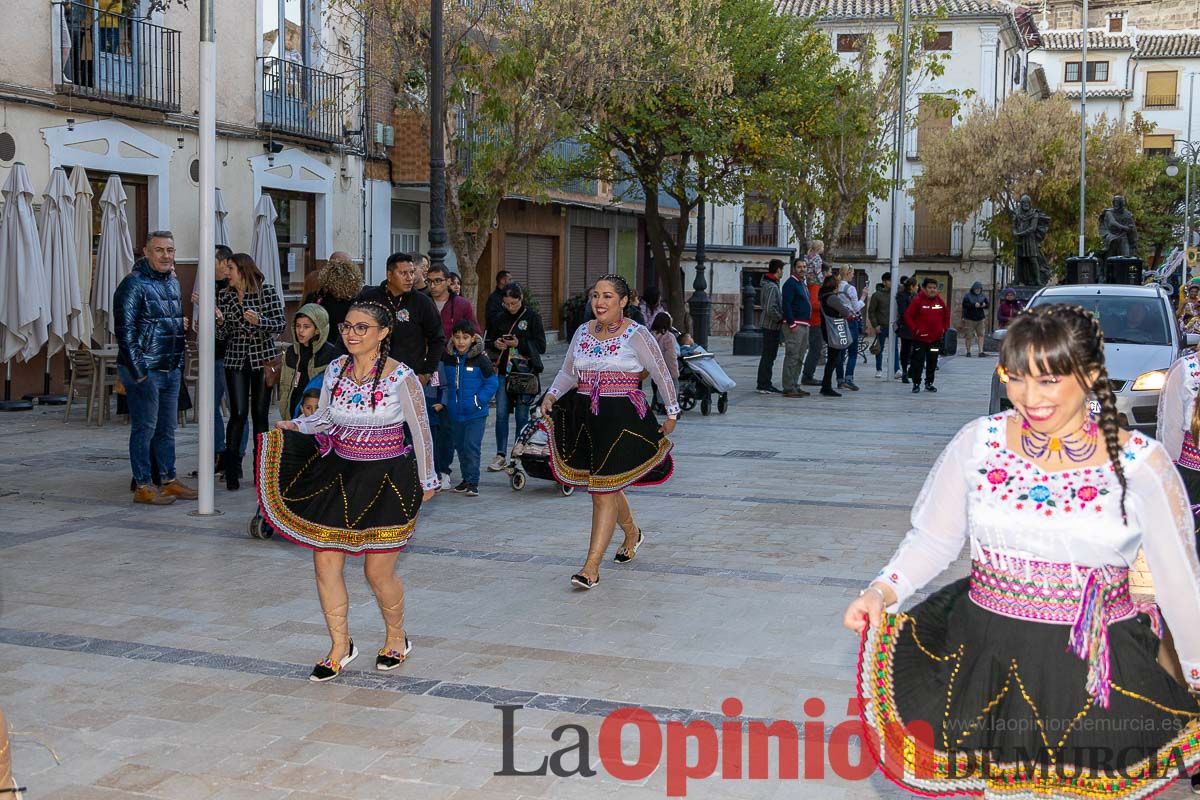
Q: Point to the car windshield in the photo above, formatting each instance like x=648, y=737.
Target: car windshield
x=1124, y=319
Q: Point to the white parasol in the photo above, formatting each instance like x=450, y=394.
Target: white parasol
x=115, y=258
x=221, y=229
x=82, y=187
x=23, y=294
x=266, y=245
x=60, y=262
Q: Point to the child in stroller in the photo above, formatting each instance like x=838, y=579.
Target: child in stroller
x=700, y=377
x=531, y=453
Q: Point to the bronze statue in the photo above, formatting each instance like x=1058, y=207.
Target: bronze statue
x=1030, y=227
x=1118, y=230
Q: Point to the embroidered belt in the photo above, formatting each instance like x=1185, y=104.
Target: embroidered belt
x=614, y=384
x=364, y=443
x=1089, y=599
x=1189, y=456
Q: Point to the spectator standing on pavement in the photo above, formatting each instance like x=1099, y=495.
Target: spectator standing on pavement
x=421, y=282
x=770, y=299
x=796, y=328
x=455, y=283
x=651, y=304
x=306, y=358
x=468, y=383
x=908, y=290
x=928, y=318
x=664, y=334
x=1009, y=307
x=340, y=282
x=515, y=342
x=975, y=307
x=495, y=301
x=453, y=309
x=249, y=317
x=849, y=361
x=816, y=329
x=878, y=311
x=148, y=315
x=223, y=258
x=814, y=265
x=418, y=339
x=833, y=306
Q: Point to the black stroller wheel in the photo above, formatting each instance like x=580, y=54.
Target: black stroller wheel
x=706, y=405
x=687, y=401
x=259, y=529
x=517, y=481
x=567, y=491
x=723, y=403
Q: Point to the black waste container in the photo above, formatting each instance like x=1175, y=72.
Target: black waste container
x=1083, y=269
x=1125, y=270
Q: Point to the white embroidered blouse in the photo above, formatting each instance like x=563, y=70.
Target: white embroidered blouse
x=345, y=407
x=981, y=492
x=631, y=351
x=1176, y=401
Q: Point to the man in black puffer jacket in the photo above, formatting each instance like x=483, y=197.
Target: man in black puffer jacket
x=148, y=313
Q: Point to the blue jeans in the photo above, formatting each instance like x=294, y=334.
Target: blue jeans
x=218, y=420
x=466, y=438
x=505, y=405
x=153, y=412
x=845, y=368
x=883, y=346
x=443, y=440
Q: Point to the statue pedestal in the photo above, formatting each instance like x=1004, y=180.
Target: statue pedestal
x=1083, y=269
x=1126, y=270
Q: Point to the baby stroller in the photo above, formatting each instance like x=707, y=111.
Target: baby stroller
x=531, y=453
x=259, y=529
x=700, y=377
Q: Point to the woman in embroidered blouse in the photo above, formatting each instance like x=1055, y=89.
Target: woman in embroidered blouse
x=601, y=433
x=249, y=316
x=1041, y=655
x=344, y=481
x=1179, y=425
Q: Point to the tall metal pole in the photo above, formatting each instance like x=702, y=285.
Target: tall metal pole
x=1083, y=135
x=437, y=148
x=205, y=274
x=700, y=305
x=1187, y=182
x=897, y=190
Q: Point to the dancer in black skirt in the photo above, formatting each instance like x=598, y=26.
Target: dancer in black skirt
x=345, y=481
x=601, y=431
x=1179, y=424
x=1037, y=675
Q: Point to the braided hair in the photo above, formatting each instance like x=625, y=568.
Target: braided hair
x=1061, y=339
x=383, y=318
x=621, y=286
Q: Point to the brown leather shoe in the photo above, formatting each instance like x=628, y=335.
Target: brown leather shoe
x=148, y=495
x=179, y=490
x=796, y=393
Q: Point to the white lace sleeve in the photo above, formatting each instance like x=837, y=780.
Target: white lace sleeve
x=651, y=357
x=939, y=520
x=1174, y=409
x=321, y=420
x=1158, y=504
x=566, y=379
x=412, y=405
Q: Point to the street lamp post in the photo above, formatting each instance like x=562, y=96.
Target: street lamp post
x=1189, y=154
x=437, y=149
x=700, y=305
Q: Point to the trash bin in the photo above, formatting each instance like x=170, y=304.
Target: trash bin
x=1126, y=270
x=1083, y=269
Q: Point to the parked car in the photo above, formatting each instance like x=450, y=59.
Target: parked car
x=1141, y=341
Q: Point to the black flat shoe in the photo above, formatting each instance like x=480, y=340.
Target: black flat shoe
x=624, y=556
x=390, y=659
x=583, y=581
x=830, y=393
x=329, y=669
x=916, y=388
x=929, y=387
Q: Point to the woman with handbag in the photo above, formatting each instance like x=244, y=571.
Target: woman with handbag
x=835, y=313
x=596, y=404
x=515, y=341
x=249, y=315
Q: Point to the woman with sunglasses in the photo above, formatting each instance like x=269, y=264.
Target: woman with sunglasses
x=345, y=481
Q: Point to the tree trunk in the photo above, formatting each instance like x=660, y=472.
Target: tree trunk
x=667, y=255
x=834, y=230
x=468, y=240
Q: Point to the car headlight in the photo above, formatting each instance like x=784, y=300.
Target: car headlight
x=1150, y=381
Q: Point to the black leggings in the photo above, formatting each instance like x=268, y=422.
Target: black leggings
x=248, y=397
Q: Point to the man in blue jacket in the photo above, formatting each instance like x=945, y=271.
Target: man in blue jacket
x=148, y=313
x=467, y=383
x=797, y=312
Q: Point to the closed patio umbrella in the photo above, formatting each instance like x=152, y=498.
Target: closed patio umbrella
x=114, y=259
x=64, y=307
x=82, y=187
x=266, y=245
x=23, y=323
x=221, y=230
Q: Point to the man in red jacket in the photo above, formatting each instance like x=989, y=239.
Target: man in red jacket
x=928, y=317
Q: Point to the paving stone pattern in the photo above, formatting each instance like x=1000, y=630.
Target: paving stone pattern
x=149, y=653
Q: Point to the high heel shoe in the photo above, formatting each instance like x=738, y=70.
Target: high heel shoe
x=329, y=669
x=583, y=581
x=624, y=556
x=388, y=660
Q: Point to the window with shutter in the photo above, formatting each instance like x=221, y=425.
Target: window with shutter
x=1161, y=89
x=1158, y=144
x=933, y=121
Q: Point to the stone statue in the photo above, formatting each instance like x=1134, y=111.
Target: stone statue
x=1030, y=227
x=1118, y=230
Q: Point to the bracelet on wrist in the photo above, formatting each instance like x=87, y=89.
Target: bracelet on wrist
x=877, y=590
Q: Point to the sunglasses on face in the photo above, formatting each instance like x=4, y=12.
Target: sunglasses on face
x=359, y=328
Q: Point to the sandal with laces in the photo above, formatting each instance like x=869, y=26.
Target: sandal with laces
x=624, y=556
x=388, y=660
x=329, y=669
x=583, y=581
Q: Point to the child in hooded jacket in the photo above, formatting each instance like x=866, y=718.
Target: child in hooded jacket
x=305, y=361
x=468, y=382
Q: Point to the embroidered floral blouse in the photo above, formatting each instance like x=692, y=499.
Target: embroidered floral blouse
x=633, y=350
x=1176, y=401
x=345, y=408
x=981, y=492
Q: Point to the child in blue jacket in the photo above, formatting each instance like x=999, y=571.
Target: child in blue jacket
x=468, y=383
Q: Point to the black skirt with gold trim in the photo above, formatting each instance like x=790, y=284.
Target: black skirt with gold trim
x=326, y=502
x=958, y=700
x=609, y=450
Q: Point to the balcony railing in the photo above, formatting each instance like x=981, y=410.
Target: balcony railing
x=1162, y=101
x=568, y=151
x=761, y=234
x=115, y=57
x=858, y=241
x=933, y=240
x=300, y=100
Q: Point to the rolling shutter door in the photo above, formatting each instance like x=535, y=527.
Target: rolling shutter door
x=577, y=268
x=589, y=258
x=597, y=253
x=540, y=269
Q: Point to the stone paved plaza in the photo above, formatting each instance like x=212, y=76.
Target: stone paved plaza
x=146, y=652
